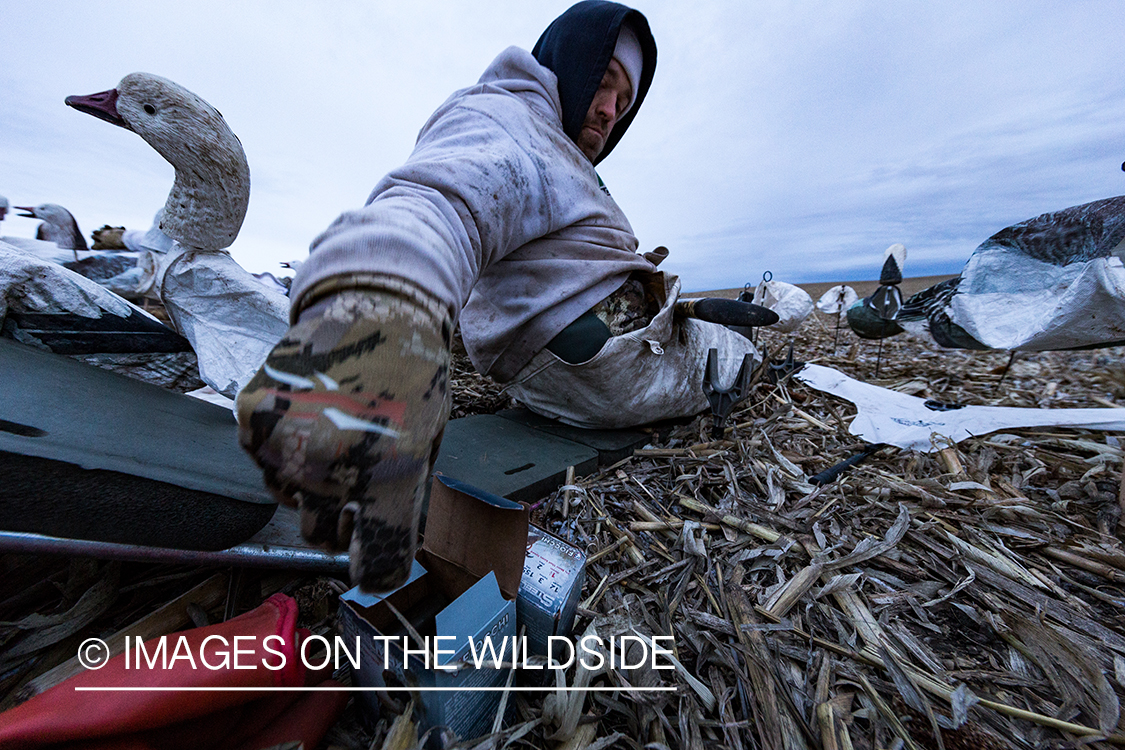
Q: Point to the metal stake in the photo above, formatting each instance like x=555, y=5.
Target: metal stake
x=1007, y=367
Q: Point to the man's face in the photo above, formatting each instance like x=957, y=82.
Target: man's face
x=609, y=104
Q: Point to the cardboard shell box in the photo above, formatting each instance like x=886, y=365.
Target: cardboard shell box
x=553, y=575
x=476, y=561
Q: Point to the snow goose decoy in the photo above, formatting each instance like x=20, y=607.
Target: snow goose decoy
x=876, y=317
x=208, y=200
x=834, y=302
x=1053, y=282
x=50, y=307
x=230, y=318
x=791, y=303
x=59, y=226
x=59, y=240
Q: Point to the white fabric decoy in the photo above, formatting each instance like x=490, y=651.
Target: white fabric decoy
x=1052, y=282
x=48, y=306
x=839, y=297
x=886, y=416
x=61, y=241
x=42, y=249
x=791, y=303
x=29, y=283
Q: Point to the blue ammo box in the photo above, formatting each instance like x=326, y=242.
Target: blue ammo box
x=553, y=574
x=463, y=587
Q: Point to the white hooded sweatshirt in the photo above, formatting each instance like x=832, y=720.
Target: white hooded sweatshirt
x=496, y=211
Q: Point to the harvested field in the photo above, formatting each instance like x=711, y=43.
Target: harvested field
x=968, y=598
x=817, y=288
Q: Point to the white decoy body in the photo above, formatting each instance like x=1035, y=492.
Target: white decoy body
x=230, y=318
x=42, y=249
x=59, y=240
x=47, y=306
x=31, y=284
x=50, y=300
x=837, y=299
x=1052, y=282
x=791, y=303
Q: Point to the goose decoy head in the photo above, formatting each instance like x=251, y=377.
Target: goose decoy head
x=58, y=225
x=887, y=299
x=208, y=201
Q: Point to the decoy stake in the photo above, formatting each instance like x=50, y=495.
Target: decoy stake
x=723, y=400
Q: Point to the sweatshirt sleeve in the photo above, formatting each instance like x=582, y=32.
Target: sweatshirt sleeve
x=472, y=191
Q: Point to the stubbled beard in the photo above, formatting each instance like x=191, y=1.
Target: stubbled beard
x=590, y=144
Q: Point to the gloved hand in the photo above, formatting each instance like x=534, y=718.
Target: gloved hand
x=346, y=416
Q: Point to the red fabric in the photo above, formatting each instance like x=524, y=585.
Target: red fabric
x=308, y=720
x=65, y=718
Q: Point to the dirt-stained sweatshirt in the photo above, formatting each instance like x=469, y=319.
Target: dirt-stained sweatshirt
x=496, y=211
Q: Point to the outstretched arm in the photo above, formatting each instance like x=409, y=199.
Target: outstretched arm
x=347, y=413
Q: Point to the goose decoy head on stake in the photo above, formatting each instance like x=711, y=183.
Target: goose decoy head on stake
x=887, y=299
x=211, y=192
x=59, y=226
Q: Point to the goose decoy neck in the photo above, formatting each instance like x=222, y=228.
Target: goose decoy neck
x=211, y=192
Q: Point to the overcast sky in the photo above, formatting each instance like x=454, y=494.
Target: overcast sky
x=801, y=138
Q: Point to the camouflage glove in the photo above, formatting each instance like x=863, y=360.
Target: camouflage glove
x=346, y=416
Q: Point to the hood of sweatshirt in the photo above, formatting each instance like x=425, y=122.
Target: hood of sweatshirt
x=577, y=48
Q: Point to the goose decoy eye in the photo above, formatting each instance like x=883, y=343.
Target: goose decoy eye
x=150, y=109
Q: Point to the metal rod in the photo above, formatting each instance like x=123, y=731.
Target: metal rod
x=246, y=554
x=836, y=341
x=1007, y=367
